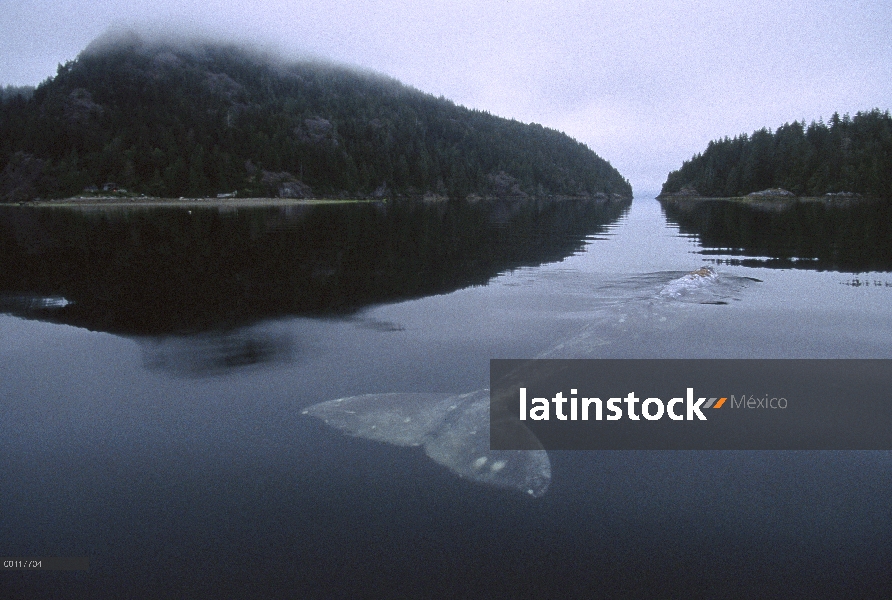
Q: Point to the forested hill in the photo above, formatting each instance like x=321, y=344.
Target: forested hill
x=848, y=154
x=199, y=119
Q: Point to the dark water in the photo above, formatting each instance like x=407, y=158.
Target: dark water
x=154, y=364
x=838, y=236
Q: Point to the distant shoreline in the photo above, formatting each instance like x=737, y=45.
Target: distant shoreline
x=149, y=202
x=115, y=201
x=772, y=203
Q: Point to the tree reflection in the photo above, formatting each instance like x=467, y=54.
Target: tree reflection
x=819, y=236
x=167, y=271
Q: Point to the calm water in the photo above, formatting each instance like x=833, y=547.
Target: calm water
x=154, y=364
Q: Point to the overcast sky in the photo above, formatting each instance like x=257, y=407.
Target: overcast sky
x=644, y=84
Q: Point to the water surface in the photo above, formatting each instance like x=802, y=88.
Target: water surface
x=154, y=365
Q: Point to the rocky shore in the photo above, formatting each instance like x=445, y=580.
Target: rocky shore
x=773, y=199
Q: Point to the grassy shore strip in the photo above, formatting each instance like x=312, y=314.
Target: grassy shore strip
x=147, y=202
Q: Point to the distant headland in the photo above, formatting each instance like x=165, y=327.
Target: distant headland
x=132, y=117
x=844, y=160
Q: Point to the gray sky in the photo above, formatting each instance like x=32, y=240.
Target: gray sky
x=645, y=84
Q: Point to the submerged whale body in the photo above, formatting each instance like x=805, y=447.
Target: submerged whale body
x=695, y=280
x=453, y=429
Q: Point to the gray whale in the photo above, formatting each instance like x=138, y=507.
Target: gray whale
x=453, y=429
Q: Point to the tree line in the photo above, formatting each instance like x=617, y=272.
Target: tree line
x=846, y=154
x=199, y=119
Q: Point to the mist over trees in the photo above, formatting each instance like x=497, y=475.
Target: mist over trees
x=847, y=154
x=7, y=93
x=198, y=119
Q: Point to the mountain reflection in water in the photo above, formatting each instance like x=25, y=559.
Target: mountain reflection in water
x=162, y=271
x=195, y=281
x=851, y=237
